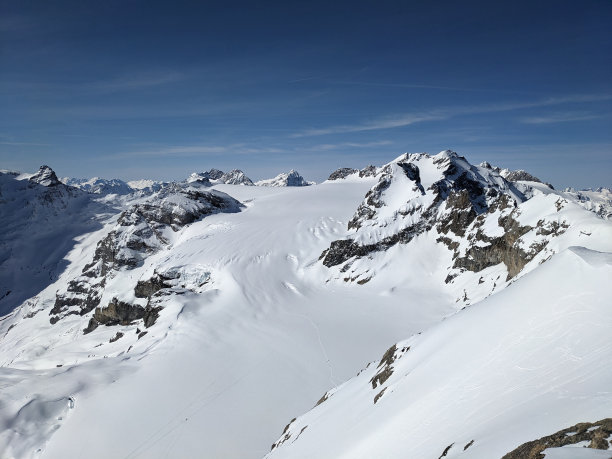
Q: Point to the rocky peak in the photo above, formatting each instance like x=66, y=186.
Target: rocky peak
x=214, y=174
x=234, y=177
x=472, y=210
x=518, y=175
x=45, y=177
x=291, y=178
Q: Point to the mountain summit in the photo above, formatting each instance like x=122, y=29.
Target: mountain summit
x=291, y=178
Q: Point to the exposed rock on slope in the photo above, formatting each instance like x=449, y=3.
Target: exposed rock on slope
x=591, y=434
x=344, y=172
x=368, y=171
x=141, y=230
x=341, y=173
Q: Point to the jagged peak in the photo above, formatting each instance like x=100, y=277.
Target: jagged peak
x=236, y=177
x=518, y=175
x=45, y=176
x=291, y=178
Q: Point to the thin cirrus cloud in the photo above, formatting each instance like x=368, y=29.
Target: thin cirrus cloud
x=559, y=118
x=130, y=83
x=240, y=149
x=450, y=112
x=196, y=150
x=338, y=146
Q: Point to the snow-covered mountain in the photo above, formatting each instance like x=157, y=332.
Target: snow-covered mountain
x=99, y=186
x=41, y=217
x=199, y=312
x=485, y=229
x=291, y=178
x=215, y=176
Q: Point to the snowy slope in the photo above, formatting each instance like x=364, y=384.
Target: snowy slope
x=234, y=354
x=41, y=221
x=521, y=364
x=196, y=319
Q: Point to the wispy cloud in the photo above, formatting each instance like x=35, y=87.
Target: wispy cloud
x=134, y=82
x=196, y=150
x=407, y=119
x=338, y=146
x=25, y=144
x=387, y=123
x=559, y=118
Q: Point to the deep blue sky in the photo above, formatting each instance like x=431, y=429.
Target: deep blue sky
x=135, y=89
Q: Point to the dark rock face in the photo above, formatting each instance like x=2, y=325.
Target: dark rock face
x=596, y=433
x=146, y=289
x=341, y=173
x=343, y=250
x=386, y=367
x=80, y=298
x=462, y=216
x=118, y=312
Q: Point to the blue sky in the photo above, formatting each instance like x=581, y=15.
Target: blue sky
x=135, y=89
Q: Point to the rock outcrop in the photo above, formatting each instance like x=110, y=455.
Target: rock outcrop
x=341, y=173
x=141, y=230
x=594, y=435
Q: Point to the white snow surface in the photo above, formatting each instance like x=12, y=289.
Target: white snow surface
x=256, y=330
x=259, y=346
x=520, y=365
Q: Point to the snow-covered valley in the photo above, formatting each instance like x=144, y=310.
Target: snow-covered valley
x=197, y=319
